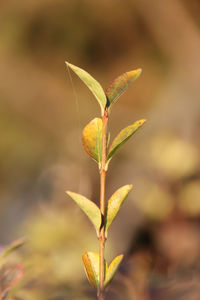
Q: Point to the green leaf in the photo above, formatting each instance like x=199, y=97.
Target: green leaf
x=123, y=136
x=91, y=266
x=10, y=248
x=112, y=269
x=114, y=205
x=89, y=208
x=120, y=84
x=92, y=84
x=92, y=139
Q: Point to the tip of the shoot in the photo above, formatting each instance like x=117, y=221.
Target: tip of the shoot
x=135, y=73
x=138, y=71
x=67, y=63
x=129, y=187
x=142, y=121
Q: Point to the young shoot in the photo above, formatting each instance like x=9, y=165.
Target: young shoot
x=95, y=138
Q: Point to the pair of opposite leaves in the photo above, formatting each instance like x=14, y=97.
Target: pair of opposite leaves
x=91, y=259
x=92, y=133
x=91, y=264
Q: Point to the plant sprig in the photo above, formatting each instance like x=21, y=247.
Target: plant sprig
x=95, y=139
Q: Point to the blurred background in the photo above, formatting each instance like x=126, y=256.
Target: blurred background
x=42, y=114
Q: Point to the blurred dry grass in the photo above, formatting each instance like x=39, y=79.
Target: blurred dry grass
x=40, y=149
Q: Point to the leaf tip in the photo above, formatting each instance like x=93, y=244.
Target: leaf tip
x=130, y=186
x=135, y=73
x=67, y=63
x=112, y=269
x=141, y=122
x=84, y=255
x=69, y=193
x=120, y=256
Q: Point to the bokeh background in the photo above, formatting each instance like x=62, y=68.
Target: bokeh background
x=42, y=114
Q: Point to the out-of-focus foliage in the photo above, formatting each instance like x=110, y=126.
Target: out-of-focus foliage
x=173, y=156
x=173, y=162
x=55, y=247
x=189, y=199
x=154, y=201
x=10, y=272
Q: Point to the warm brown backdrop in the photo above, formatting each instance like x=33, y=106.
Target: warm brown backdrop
x=42, y=115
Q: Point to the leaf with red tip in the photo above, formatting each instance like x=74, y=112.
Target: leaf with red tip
x=120, y=84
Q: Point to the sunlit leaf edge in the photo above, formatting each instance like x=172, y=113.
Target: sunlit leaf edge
x=89, y=261
x=112, y=269
x=93, y=214
x=118, y=141
x=119, y=85
x=92, y=84
x=121, y=194
x=91, y=267
x=94, y=153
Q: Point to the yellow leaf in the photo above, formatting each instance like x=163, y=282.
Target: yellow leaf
x=92, y=139
x=114, y=205
x=112, y=269
x=91, y=265
x=122, y=137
